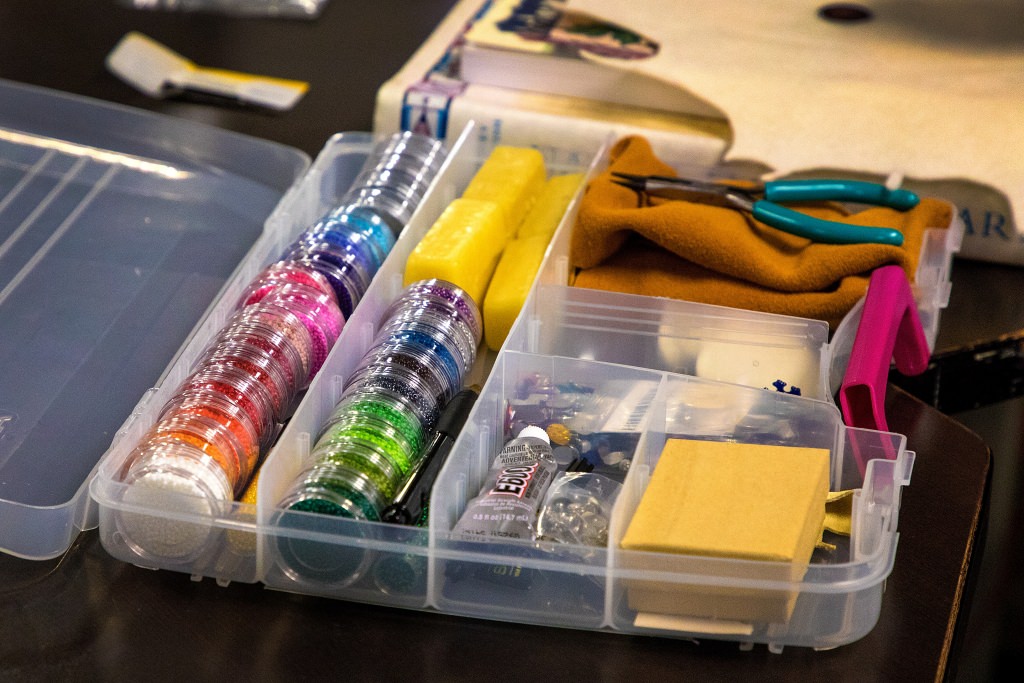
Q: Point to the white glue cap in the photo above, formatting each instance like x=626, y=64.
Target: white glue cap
x=536, y=432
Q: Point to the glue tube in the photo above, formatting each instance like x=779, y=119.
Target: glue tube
x=507, y=504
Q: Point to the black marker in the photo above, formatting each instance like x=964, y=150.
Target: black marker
x=411, y=500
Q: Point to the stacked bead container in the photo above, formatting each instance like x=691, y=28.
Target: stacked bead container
x=226, y=412
x=375, y=437
x=210, y=435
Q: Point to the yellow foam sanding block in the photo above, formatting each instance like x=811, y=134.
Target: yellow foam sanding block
x=548, y=210
x=737, y=502
x=509, y=286
x=462, y=246
x=512, y=177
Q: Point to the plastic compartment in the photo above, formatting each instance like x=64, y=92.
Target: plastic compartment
x=117, y=229
x=930, y=284
x=197, y=538
x=713, y=342
x=222, y=542
x=838, y=598
x=582, y=586
x=362, y=561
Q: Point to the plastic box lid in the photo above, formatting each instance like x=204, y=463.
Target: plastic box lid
x=117, y=229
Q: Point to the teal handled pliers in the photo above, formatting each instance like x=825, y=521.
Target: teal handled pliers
x=764, y=202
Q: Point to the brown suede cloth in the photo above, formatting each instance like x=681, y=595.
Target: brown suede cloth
x=716, y=255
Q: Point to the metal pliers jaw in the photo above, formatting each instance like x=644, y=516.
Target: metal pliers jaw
x=764, y=202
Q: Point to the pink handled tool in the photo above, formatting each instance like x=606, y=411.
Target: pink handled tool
x=890, y=328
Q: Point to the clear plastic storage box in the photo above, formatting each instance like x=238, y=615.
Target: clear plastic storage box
x=118, y=228
x=639, y=370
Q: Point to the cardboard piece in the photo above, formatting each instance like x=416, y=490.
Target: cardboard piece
x=712, y=499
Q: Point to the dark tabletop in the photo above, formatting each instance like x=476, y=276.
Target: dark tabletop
x=345, y=55
x=87, y=616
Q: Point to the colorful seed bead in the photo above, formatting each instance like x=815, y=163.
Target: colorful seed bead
x=269, y=341
x=282, y=273
x=320, y=315
x=240, y=388
x=289, y=326
x=390, y=412
x=204, y=435
x=215, y=407
x=260, y=367
x=363, y=456
x=385, y=439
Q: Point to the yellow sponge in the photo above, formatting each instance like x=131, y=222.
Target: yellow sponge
x=736, y=501
x=511, y=283
x=550, y=206
x=462, y=246
x=512, y=177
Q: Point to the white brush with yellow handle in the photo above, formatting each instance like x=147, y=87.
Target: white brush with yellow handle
x=159, y=72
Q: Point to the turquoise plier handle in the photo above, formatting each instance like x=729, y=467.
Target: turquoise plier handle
x=819, y=230
x=784, y=191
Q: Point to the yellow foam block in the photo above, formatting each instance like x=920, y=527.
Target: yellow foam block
x=550, y=206
x=512, y=177
x=734, y=501
x=462, y=246
x=511, y=283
